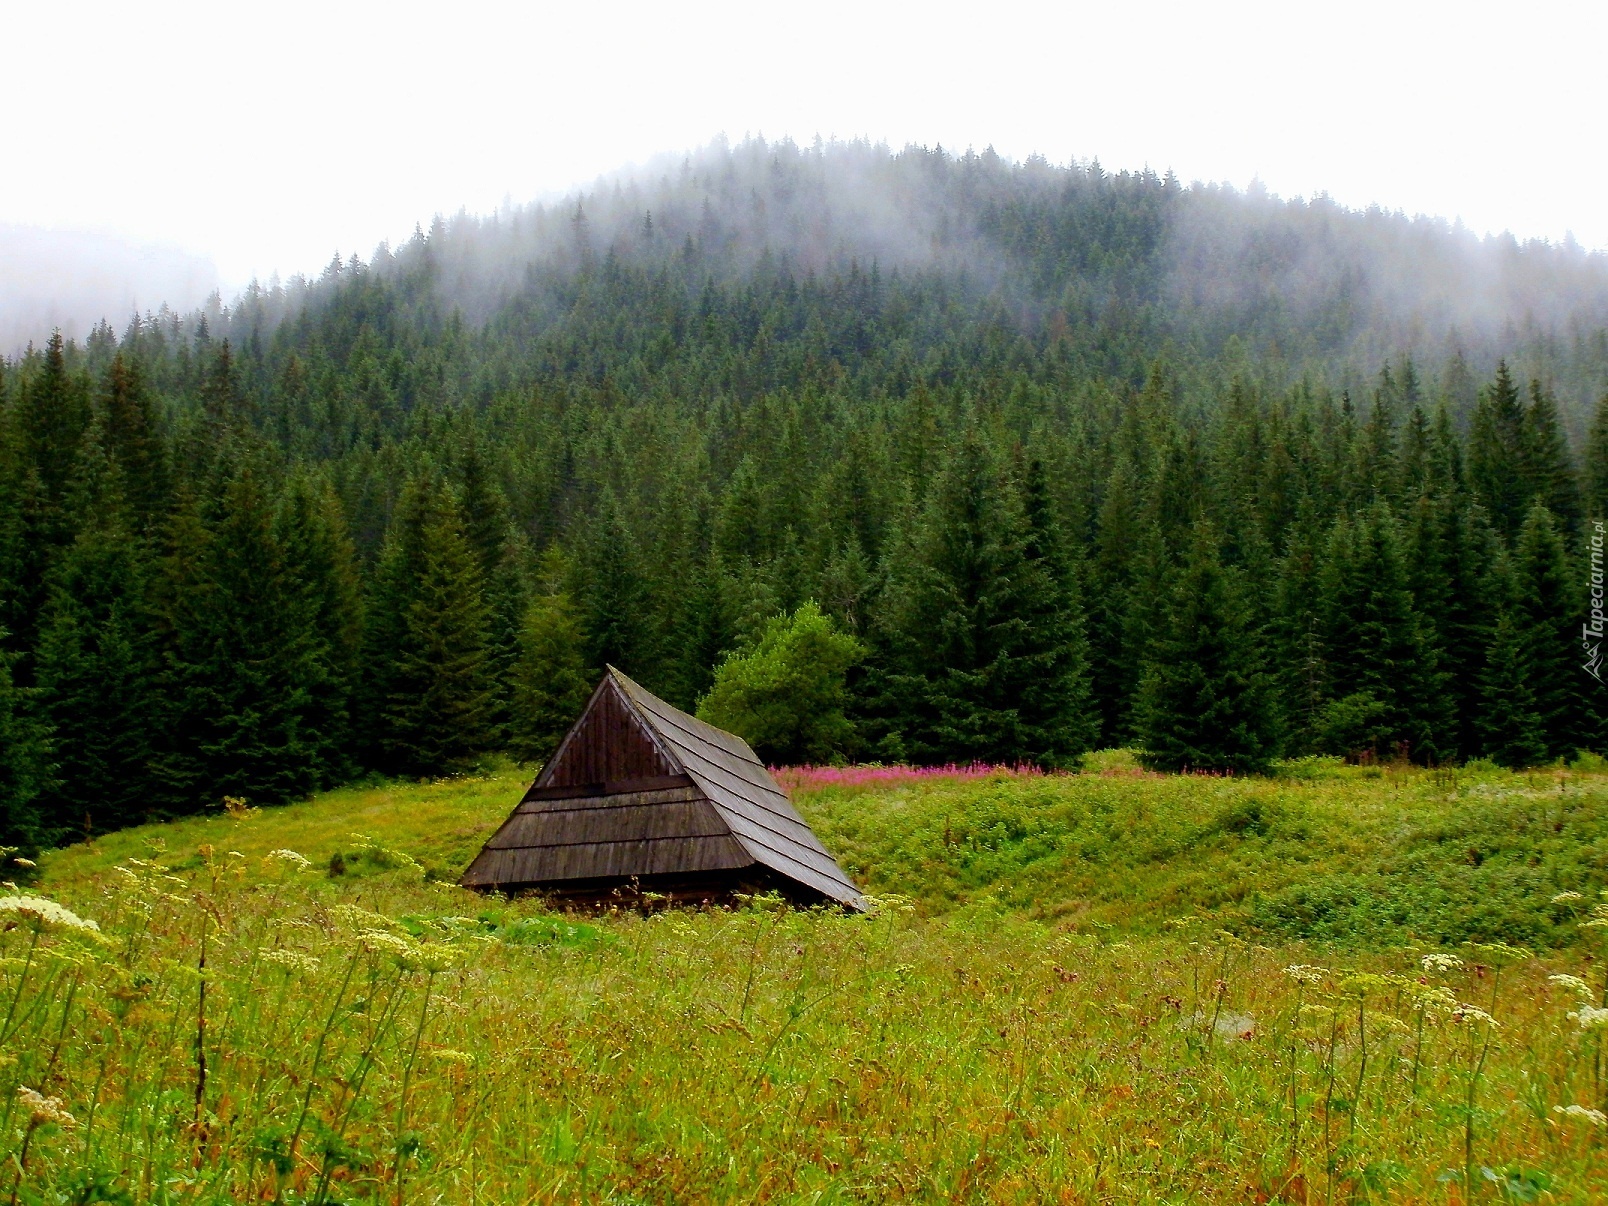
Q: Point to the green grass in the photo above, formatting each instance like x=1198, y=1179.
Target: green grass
x=1075, y=990
x=1340, y=855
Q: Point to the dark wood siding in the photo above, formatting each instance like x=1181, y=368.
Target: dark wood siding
x=608, y=743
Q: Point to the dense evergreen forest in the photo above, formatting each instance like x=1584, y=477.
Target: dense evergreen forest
x=1076, y=460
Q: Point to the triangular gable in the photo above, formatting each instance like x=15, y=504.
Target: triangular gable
x=611, y=742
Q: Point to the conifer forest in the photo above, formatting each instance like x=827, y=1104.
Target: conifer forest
x=1046, y=459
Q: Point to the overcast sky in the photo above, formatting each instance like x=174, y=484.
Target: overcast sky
x=268, y=137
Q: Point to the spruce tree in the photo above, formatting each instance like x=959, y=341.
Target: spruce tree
x=1511, y=728
x=1549, y=471
x=1376, y=655
x=963, y=623
x=135, y=443
x=613, y=595
x=325, y=600
x=23, y=769
x=429, y=671
x=1114, y=672
x=1546, y=613
x=1056, y=707
x=1450, y=549
x=241, y=674
x=551, y=680
x=1205, y=702
x=489, y=528
x=1297, y=632
x=96, y=664
x=1499, y=456
x=1596, y=463
x=54, y=412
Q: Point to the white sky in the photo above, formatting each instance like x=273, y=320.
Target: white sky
x=271, y=136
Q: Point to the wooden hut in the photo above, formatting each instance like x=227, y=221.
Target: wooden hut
x=642, y=796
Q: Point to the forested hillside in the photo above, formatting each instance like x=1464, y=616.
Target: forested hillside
x=1078, y=459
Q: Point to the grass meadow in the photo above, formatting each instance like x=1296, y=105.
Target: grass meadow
x=1333, y=985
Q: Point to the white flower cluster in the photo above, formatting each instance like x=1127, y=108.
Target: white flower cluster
x=1574, y=984
x=1589, y=1017
x=45, y=912
x=1472, y=1013
x=1440, y=961
x=44, y=1109
x=1306, y=973
x=295, y=860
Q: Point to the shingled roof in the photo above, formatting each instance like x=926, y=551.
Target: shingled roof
x=641, y=791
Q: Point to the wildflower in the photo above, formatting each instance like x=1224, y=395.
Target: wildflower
x=1574, y=984
x=1563, y=896
x=1306, y=973
x=434, y=957
x=24, y=862
x=291, y=960
x=1363, y=984
x=1434, y=999
x=1501, y=951
x=382, y=942
x=295, y=860
x=353, y=915
x=1473, y=1013
x=1585, y=1113
x=1440, y=961
x=46, y=912
x=1589, y=1017
x=44, y=1109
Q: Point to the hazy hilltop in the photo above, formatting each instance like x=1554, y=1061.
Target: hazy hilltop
x=72, y=279
x=1115, y=269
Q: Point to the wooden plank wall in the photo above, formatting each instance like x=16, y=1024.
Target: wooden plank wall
x=609, y=743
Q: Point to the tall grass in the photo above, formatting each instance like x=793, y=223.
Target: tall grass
x=380, y=1036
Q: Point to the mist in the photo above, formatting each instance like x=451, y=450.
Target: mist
x=1306, y=286
x=71, y=280
x=1307, y=282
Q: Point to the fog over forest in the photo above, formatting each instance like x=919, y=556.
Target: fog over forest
x=1310, y=279
x=1312, y=284
x=70, y=279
